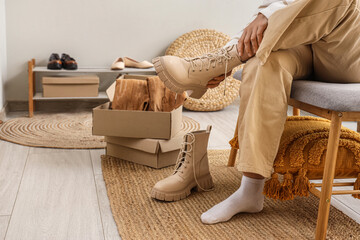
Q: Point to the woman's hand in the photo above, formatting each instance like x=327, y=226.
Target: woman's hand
x=247, y=45
x=251, y=38
x=217, y=80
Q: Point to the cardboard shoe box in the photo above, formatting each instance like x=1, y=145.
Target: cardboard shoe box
x=135, y=124
x=154, y=153
x=77, y=86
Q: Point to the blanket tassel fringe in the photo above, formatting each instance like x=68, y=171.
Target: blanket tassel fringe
x=301, y=184
x=234, y=143
x=288, y=189
x=272, y=187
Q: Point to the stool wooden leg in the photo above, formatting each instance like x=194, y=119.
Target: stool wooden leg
x=328, y=177
x=232, y=157
x=233, y=152
x=358, y=127
x=296, y=111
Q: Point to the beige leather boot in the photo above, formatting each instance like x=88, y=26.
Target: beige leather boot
x=191, y=169
x=181, y=74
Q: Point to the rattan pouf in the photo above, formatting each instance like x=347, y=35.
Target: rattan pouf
x=197, y=43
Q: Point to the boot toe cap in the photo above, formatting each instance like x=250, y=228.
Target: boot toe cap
x=176, y=66
x=168, y=184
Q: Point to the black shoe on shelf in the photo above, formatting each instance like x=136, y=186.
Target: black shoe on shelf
x=68, y=62
x=54, y=62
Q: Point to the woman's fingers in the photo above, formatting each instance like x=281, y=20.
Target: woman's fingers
x=213, y=82
x=252, y=37
x=259, y=35
x=240, y=45
x=217, y=80
x=254, y=41
x=212, y=85
x=247, y=43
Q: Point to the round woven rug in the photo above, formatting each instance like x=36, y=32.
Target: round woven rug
x=139, y=217
x=62, y=130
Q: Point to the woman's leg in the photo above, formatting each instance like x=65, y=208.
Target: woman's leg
x=335, y=58
x=264, y=94
x=337, y=55
x=332, y=27
x=304, y=22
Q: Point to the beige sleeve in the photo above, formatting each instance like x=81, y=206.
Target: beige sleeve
x=270, y=6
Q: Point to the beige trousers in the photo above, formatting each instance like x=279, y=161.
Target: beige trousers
x=321, y=41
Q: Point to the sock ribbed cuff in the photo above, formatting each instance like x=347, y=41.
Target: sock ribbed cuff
x=252, y=180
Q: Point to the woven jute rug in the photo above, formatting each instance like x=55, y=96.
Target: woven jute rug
x=139, y=217
x=61, y=130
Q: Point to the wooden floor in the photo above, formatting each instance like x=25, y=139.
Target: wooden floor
x=60, y=194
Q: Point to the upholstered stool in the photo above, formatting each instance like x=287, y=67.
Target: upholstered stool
x=341, y=97
x=334, y=101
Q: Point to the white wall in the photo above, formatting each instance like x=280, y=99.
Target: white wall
x=96, y=32
x=2, y=52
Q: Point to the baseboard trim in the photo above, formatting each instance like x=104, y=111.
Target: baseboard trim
x=3, y=112
x=17, y=106
x=55, y=106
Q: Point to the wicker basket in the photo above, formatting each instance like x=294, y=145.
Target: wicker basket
x=197, y=43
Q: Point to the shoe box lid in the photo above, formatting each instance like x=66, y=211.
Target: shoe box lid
x=149, y=145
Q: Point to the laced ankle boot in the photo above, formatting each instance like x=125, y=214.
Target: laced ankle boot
x=191, y=169
x=182, y=74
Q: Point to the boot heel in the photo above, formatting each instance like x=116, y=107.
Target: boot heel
x=198, y=93
x=205, y=184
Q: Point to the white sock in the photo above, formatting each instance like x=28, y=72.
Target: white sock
x=248, y=198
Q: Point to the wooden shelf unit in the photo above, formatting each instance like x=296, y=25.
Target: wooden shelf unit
x=38, y=96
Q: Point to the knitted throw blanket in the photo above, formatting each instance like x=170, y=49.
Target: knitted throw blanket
x=301, y=156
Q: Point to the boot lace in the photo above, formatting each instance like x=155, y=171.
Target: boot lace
x=186, y=149
x=211, y=60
